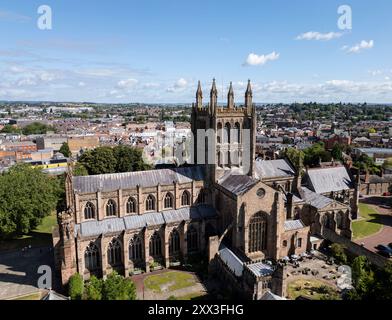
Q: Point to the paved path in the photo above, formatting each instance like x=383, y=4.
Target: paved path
x=384, y=236
x=18, y=271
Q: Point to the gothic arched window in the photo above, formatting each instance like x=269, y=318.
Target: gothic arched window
x=226, y=133
x=114, y=253
x=219, y=133
x=135, y=248
x=168, y=201
x=91, y=258
x=257, y=233
x=150, y=203
x=174, y=243
x=131, y=205
x=89, y=211
x=192, y=239
x=186, y=199
x=155, y=245
x=340, y=220
x=237, y=133
x=111, y=208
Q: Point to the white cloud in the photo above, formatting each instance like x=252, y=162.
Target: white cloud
x=259, y=60
x=81, y=84
x=180, y=85
x=313, y=35
x=359, y=47
x=127, y=83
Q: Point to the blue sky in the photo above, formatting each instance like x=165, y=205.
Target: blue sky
x=155, y=50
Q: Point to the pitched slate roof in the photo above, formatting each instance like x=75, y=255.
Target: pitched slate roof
x=128, y=180
x=234, y=263
x=314, y=199
x=260, y=269
x=274, y=169
x=290, y=225
x=329, y=179
x=270, y=296
x=112, y=225
x=238, y=184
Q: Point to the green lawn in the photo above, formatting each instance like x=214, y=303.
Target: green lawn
x=33, y=296
x=311, y=289
x=192, y=296
x=40, y=237
x=172, y=280
x=369, y=223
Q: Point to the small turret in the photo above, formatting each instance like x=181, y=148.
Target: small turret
x=213, y=97
x=230, y=97
x=199, y=97
x=248, y=98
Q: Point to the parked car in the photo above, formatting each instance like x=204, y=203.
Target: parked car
x=386, y=194
x=390, y=245
x=384, y=250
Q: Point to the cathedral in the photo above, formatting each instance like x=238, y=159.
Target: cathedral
x=242, y=214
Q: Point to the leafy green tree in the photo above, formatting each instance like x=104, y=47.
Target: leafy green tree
x=337, y=152
x=129, y=159
x=26, y=196
x=112, y=160
x=8, y=128
x=365, y=163
x=362, y=274
x=76, y=287
x=116, y=287
x=296, y=157
x=65, y=150
x=80, y=170
x=99, y=161
x=315, y=154
x=338, y=253
x=37, y=128
x=94, y=288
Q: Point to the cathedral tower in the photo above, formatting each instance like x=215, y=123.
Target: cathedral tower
x=224, y=136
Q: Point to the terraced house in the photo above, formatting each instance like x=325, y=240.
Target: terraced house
x=243, y=214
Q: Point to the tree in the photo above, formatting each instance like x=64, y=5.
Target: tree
x=116, y=287
x=362, y=274
x=65, y=150
x=76, y=287
x=99, y=161
x=296, y=157
x=129, y=159
x=315, y=154
x=365, y=163
x=338, y=253
x=337, y=152
x=26, y=196
x=94, y=288
x=36, y=128
x=79, y=170
x=8, y=128
x=112, y=160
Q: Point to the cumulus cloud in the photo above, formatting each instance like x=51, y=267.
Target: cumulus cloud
x=259, y=60
x=314, y=35
x=180, y=85
x=363, y=45
x=127, y=83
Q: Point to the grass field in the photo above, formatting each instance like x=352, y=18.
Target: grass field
x=311, y=289
x=33, y=296
x=369, y=223
x=170, y=281
x=40, y=237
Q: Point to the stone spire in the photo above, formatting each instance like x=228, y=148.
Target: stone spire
x=199, y=96
x=248, y=98
x=230, y=97
x=213, y=97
